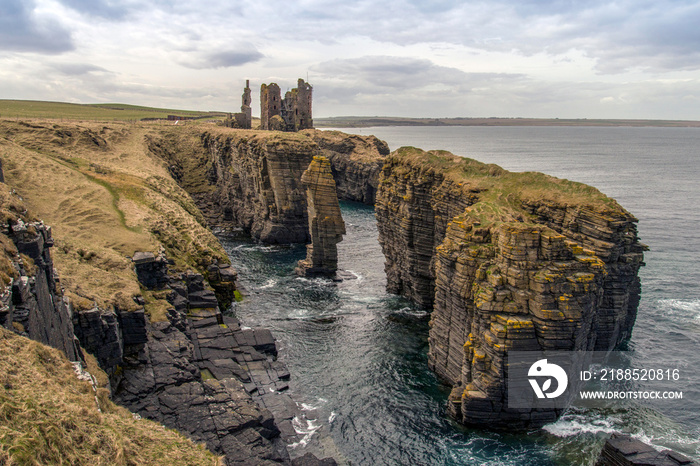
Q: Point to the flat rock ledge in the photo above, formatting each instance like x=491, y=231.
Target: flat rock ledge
x=623, y=450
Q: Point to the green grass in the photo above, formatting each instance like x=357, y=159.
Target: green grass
x=93, y=112
x=502, y=193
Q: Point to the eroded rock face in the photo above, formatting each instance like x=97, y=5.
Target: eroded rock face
x=203, y=374
x=326, y=225
x=508, y=262
x=355, y=160
x=33, y=304
x=258, y=184
x=252, y=179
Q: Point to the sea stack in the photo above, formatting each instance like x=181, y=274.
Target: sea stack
x=326, y=225
x=508, y=262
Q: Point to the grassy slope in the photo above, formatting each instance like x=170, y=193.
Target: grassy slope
x=106, y=197
x=503, y=192
x=102, y=112
x=48, y=416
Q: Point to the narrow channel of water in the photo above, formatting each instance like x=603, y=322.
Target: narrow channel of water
x=359, y=356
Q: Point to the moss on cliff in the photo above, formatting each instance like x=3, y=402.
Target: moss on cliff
x=502, y=193
x=49, y=416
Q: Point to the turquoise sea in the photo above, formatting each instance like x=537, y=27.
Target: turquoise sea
x=358, y=356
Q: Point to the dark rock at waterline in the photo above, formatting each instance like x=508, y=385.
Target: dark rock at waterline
x=310, y=460
x=623, y=450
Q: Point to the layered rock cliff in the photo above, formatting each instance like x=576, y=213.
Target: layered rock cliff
x=508, y=262
x=356, y=162
x=107, y=196
x=326, y=224
x=624, y=450
x=31, y=303
x=252, y=179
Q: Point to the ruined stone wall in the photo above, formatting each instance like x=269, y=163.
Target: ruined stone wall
x=244, y=119
x=503, y=271
x=303, y=118
x=293, y=113
x=270, y=105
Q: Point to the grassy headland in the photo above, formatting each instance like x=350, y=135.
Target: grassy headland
x=106, y=196
x=93, y=112
x=501, y=192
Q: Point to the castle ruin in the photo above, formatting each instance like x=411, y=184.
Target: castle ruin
x=293, y=113
x=244, y=119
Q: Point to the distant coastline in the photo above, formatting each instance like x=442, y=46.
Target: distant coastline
x=363, y=122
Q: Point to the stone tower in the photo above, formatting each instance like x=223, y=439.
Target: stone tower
x=270, y=106
x=245, y=118
x=302, y=116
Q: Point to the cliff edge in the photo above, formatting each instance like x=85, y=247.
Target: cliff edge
x=508, y=261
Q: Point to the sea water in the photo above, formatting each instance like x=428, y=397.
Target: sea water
x=358, y=356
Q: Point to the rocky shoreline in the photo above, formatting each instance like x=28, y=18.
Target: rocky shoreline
x=502, y=270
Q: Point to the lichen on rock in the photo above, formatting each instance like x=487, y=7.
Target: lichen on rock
x=508, y=262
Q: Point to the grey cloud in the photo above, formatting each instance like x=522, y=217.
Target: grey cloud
x=77, y=69
x=657, y=35
x=376, y=73
x=224, y=59
x=407, y=86
x=107, y=9
x=21, y=30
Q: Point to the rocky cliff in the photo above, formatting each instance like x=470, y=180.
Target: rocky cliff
x=326, y=224
x=356, y=162
x=623, y=450
x=31, y=303
x=252, y=179
x=508, y=261
x=151, y=319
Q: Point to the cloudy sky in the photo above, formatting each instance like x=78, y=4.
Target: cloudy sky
x=441, y=58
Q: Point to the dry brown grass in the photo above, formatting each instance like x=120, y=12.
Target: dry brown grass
x=106, y=196
x=48, y=416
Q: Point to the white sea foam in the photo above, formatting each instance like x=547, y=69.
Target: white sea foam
x=407, y=311
x=682, y=308
x=687, y=305
x=268, y=284
x=575, y=424
x=308, y=407
x=305, y=427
